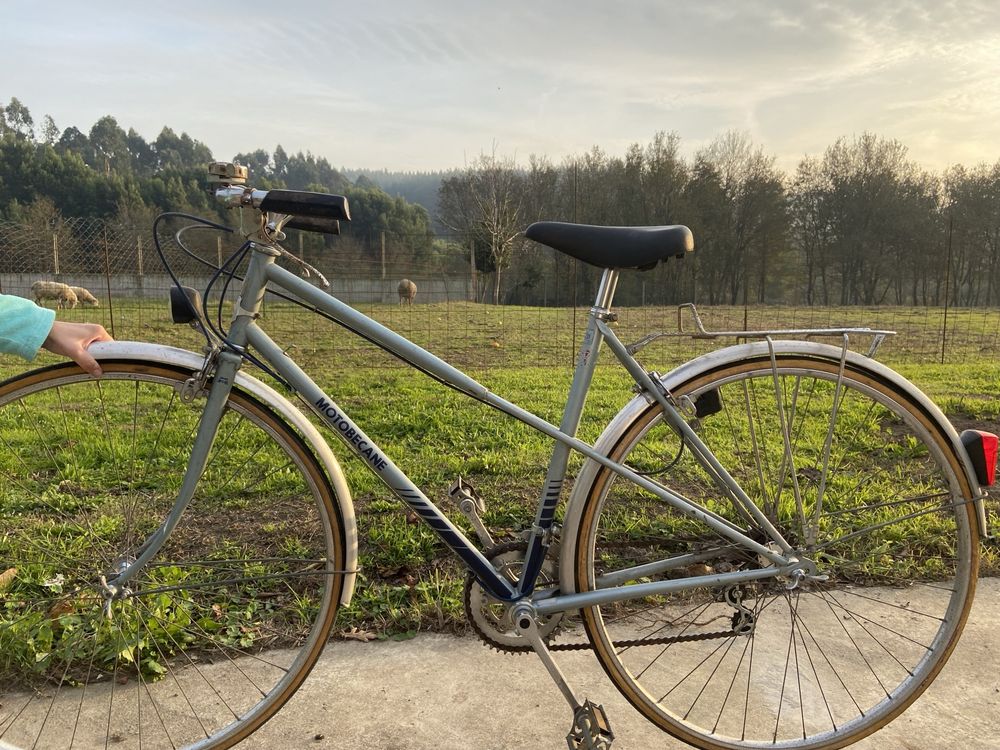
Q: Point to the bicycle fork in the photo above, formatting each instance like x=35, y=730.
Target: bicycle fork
x=226, y=365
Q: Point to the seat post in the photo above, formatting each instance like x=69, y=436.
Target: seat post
x=606, y=291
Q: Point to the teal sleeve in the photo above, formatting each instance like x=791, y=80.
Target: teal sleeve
x=24, y=326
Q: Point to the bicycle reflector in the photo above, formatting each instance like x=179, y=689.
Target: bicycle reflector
x=982, y=449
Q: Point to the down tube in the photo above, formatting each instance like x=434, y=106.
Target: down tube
x=418, y=357
x=377, y=461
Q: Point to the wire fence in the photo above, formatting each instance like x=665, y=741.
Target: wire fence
x=544, y=298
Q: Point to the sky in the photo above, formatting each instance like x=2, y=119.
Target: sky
x=417, y=85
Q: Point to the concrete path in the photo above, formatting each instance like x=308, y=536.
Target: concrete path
x=453, y=693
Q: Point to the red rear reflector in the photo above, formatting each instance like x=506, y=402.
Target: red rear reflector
x=982, y=448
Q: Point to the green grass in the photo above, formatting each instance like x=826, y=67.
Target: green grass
x=410, y=582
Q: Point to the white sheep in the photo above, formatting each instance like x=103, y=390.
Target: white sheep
x=407, y=291
x=61, y=293
x=84, y=297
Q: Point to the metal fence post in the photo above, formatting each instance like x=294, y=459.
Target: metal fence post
x=947, y=293
x=107, y=277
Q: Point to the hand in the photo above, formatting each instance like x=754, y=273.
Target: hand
x=72, y=339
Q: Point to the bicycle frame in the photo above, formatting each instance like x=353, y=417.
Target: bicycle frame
x=264, y=272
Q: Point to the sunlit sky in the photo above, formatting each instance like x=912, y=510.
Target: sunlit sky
x=414, y=85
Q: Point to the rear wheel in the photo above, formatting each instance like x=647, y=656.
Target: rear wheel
x=860, y=482
x=219, y=629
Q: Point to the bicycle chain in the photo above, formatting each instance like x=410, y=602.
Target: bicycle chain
x=662, y=641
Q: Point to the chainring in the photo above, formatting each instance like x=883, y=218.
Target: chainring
x=491, y=618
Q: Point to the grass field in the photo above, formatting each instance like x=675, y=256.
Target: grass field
x=525, y=354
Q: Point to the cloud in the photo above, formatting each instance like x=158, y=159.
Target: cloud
x=420, y=83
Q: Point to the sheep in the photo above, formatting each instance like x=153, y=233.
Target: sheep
x=62, y=294
x=407, y=291
x=84, y=297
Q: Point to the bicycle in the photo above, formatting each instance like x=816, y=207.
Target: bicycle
x=178, y=536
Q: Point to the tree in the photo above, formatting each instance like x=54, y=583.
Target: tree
x=484, y=204
x=972, y=208
x=737, y=196
x=664, y=176
x=18, y=119
x=180, y=152
x=111, y=148
x=50, y=133
x=142, y=156
x=75, y=141
x=811, y=230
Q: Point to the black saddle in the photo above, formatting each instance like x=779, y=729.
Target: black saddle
x=614, y=247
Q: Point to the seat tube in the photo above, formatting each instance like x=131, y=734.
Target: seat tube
x=583, y=374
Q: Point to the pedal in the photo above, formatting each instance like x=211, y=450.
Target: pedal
x=471, y=505
x=590, y=730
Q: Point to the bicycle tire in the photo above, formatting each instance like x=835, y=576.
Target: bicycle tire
x=219, y=630
x=825, y=663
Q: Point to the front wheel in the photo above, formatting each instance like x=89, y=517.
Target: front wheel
x=860, y=481
x=212, y=636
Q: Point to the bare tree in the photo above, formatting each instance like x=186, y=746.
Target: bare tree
x=484, y=204
x=736, y=196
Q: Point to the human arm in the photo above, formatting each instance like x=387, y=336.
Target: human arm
x=25, y=327
x=72, y=339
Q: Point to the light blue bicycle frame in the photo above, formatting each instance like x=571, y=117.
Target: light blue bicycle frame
x=263, y=271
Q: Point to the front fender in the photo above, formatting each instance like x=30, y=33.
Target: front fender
x=169, y=355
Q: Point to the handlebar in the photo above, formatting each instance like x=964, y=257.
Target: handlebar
x=302, y=203
x=312, y=224
x=310, y=212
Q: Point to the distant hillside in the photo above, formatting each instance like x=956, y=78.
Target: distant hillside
x=414, y=187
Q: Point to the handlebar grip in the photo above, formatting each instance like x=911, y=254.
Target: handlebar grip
x=312, y=224
x=302, y=203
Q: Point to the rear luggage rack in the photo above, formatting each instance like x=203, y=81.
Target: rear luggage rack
x=878, y=336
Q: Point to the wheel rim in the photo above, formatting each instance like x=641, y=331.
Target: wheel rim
x=827, y=662
x=222, y=625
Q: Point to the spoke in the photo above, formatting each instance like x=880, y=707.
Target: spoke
x=186, y=656
x=811, y=532
x=734, y=433
x=134, y=505
x=694, y=669
x=764, y=468
x=180, y=690
x=930, y=497
x=736, y=672
x=798, y=669
x=150, y=698
x=653, y=661
x=16, y=481
x=728, y=647
x=108, y=432
x=803, y=631
x=862, y=619
x=832, y=667
x=788, y=459
x=784, y=675
x=898, y=519
x=168, y=412
x=909, y=610
x=854, y=643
